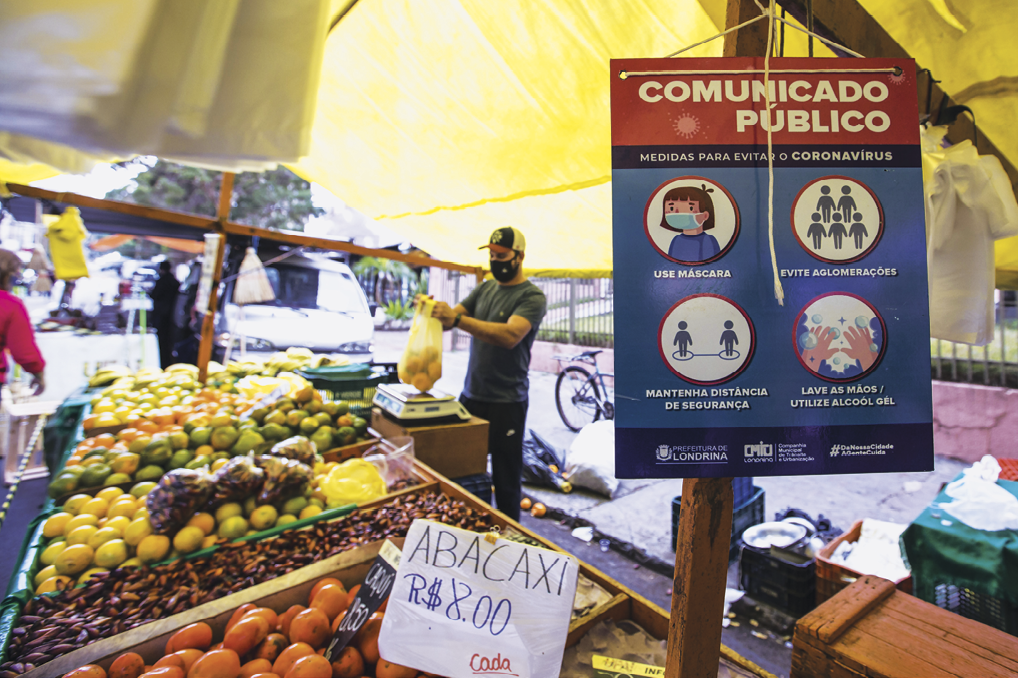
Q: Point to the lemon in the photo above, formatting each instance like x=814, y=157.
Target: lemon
x=138, y=529
x=44, y=574
x=285, y=519
x=74, y=559
x=203, y=521
x=188, y=539
x=141, y=489
x=103, y=535
x=228, y=511
x=153, y=548
x=78, y=521
x=55, y=524
x=109, y=494
x=122, y=507
x=87, y=574
x=264, y=517
x=74, y=504
x=309, y=511
x=131, y=562
x=50, y=553
x=233, y=527
x=111, y=554
x=52, y=583
x=81, y=535
x=120, y=522
x=97, y=507
x=140, y=513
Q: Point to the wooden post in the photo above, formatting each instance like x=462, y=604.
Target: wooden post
x=701, y=570
x=208, y=325
x=705, y=521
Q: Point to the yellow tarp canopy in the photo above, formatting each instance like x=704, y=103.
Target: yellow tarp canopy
x=445, y=119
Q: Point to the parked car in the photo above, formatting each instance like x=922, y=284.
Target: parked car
x=319, y=305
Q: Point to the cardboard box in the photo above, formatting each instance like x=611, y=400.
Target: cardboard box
x=872, y=630
x=454, y=450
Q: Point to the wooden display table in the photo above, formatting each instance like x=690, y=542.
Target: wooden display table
x=871, y=629
x=454, y=450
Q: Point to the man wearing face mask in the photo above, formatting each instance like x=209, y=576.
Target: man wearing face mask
x=503, y=316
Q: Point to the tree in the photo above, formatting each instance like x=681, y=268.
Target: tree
x=278, y=199
x=386, y=277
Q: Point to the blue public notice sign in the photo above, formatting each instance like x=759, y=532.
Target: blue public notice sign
x=715, y=377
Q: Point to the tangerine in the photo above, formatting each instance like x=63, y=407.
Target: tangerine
x=331, y=600
x=254, y=667
x=288, y=657
x=197, y=636
x=325, y=581
x=284, y=619
x=267, y=613
x=87, y=671
x=127, y=665
x=349, y=664
x=386, y=669
x=189, y=655
x=246, y=634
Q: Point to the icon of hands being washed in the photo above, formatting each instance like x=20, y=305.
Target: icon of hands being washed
x=818, y=353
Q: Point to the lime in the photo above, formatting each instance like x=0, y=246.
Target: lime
x=295, y=505
x=250, y=504
x=141, y=489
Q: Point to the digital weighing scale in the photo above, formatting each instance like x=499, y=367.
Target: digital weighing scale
x=405, y=404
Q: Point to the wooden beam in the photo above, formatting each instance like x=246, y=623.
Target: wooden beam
x=701, y=569
x=157, y=213
x=848, y=24
x=208, y=324
x=747, y=41
x=225, y=196
x=301, y=240
x=233, y=228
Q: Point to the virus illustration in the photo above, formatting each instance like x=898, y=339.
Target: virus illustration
x=897, y=79
x=686, y=125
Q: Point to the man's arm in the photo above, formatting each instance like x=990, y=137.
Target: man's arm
x=503, y=335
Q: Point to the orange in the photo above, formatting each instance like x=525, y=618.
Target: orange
x=189, y=656
x=312, y=666
x=128, y=434
x=310, y=626
x=216, y=664
x=238, y=614
x=270, y=648
x=366, y=639
x=170, y=660
x=147, y=426
x=284, y=619
x=164, y=672
x=88, y=423
x=267, y=613
x=386, y=669
x=352, y=594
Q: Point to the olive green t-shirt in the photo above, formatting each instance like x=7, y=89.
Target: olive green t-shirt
x=494, y=374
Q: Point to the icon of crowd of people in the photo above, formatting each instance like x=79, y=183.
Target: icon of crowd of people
x=836, y=216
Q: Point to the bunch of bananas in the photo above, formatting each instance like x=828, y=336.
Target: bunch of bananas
x=108, y=374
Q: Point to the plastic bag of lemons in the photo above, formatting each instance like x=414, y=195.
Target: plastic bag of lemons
x=355, y=481
x=421, y=363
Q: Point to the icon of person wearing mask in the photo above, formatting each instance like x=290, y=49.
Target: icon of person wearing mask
x=690, y=211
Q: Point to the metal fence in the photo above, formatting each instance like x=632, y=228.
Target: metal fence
x=581, y=311
x=995, y=364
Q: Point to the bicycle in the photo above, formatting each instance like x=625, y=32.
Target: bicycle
x=578, y=393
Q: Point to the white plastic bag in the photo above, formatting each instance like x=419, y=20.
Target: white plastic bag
x=979, y=501
x=590, y=461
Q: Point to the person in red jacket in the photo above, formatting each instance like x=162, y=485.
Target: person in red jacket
x=15, y=328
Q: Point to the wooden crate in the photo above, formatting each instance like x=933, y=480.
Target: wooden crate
x=453, y=450
x=832, y=577
x=871, y=629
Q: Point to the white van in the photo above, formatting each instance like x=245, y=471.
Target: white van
x=319, y=305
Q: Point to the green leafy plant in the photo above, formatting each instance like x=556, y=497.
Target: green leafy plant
x=399, y=310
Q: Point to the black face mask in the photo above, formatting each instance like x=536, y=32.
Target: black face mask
x=504, y=271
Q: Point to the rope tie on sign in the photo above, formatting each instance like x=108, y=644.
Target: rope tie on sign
x=770, y=14
x=26, y=455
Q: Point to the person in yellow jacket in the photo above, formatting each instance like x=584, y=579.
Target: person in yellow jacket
x=66, y=235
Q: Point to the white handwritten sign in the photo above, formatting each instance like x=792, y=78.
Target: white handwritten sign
x=464, y=607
